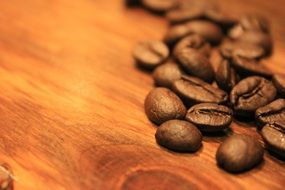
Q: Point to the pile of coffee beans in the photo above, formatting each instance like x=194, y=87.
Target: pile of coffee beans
x=193, y=98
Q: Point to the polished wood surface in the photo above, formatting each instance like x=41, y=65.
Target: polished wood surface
x=71, y=101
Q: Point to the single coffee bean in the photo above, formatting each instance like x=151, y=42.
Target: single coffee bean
x=239, y=153
x=192, y=41
x=249, y=67
x=273, y=112
x=249, y=23
x=274, y=137
x=150, y=54
x=192, y=90
x=226, y=76
x=250, y=94
x=164, y=75
x=229, y=49
x=179, y=135
x=196, y=63
x=208, y=30
x=257, y=38
x=279, y=82
x=210, y=117
x=159, y=6
x=161, y=105
x=185, y=13
x=6, y=180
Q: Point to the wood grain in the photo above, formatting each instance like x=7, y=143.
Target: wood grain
x=71, y=101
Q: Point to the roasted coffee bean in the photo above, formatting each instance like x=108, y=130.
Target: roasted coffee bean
x=196, y=63
x=183, y=13
x=239, y=153
x=273, y=112
x=210, y=117
x=6, y=180
x=192, y=41
x=208, y=30
x=149, y=54
x=279, y=82
x=274, y=137
x=229, y=49
x=164, y=75
x=257, y=38
x=179, y=135
x=192, y=90
x=226, y=76
x=249, y=67
x=161, y=105
x=159, y=6
x=249, y=23
x=250, y=94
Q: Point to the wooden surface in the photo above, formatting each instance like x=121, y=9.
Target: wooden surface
x=71, y=101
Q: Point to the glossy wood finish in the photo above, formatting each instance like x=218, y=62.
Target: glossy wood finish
x=71, y=101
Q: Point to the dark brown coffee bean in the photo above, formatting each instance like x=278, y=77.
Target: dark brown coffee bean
x=164, y=75
x=192, y=41
x=6, y=180
x=257, y=38
x=274, y=137
x=210, y=117
x=273, y=112
x=250, y=94
x=159, y=6
x=179, y=135
x=161, y=105
x=229, y=49
x=185, y=13
x=196, y=63
x=249, y=23
x=279, y=82
x=193, y=90
x=150, y=54
x=220, y=18
x=226, y=76
x=249, y=67
x=239, y=153
x=208, y=30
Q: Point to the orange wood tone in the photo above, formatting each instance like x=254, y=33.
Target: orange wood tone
x=71, y=101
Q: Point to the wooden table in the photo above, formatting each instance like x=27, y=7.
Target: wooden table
x=71, y=101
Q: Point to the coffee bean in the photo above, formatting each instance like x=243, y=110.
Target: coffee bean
x=149, y=54
x=179, y=135
x=274, y=137
x=249, y=23
x=226, y=76
x=208, y=30
x=192, y=41
x=6, y=180
x=210, y=117
x=159, y=6
x=183, y=13
x=164, y=75
x=229, y=49
x=239, y=153
x=249, y=67
x=279, y=82
x=273, y=112
x=192, y=90
x=196, y=63
x=250, y=94
x=161, y=105
x=257, y=38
